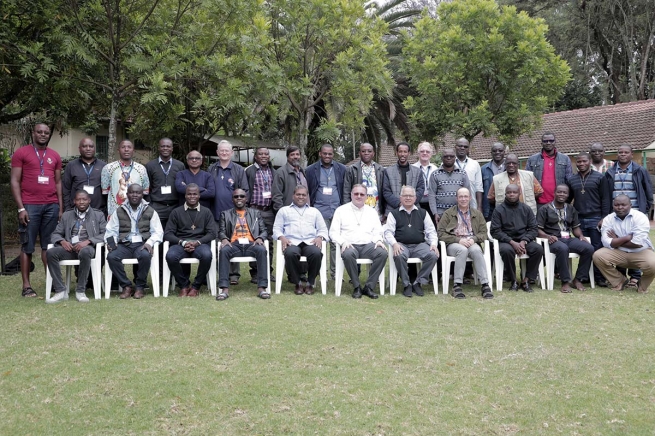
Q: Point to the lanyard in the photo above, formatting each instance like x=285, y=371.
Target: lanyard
x=561, y=214
x=619, y=171
x=265, y=176
x=328, y=174
x=243, y=226
x=426, y=178
x=40, y=158
x=459, y=164
x=88, y=173
x=81, y=218
x=170, y=165
x=368, y=172
x=139, y=213
x=126, y=174
x=466, y=223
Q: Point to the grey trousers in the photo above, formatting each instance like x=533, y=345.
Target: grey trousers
x=461, y=253
x=57, y=254
x=422, y=251
x=364, y=251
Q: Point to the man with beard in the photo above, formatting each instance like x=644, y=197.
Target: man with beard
x=369, y=173
x=75, y=237
x=492, y=168
x=550, y=168
x=84, y=173
x=286, y=178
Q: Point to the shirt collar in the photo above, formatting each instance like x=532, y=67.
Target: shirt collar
x=163, y=161
x=298, y=207
x=187, y=207
x=95, y=159
x=401, y=208
x=616, y=217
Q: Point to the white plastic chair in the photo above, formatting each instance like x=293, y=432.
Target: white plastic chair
x=154, y=271
x=168, y=280
x=446, y=261
x=550, y=264
x=499, y=265
x=339, y=268
x=96, y=273
x=280, y=262
x=248, y=259
x=393, y=272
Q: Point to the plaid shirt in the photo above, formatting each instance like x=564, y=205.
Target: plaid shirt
x=263, y=183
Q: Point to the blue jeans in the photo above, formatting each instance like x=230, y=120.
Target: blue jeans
x=176, y=253
x=43, y=221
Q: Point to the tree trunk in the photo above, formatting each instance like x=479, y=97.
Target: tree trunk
x=111, y=147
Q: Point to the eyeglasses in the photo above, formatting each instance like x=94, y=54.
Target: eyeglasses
x=448, y=156
x=425, y=151
x=408, y=195
x=193, y=158
x=547, y=141
x=239, y=196
x=358, y=194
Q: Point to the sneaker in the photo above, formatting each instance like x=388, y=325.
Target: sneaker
x=81, y=297
x=59, y=296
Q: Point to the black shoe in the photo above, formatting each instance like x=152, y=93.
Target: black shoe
x=514, y=287
x=486, y=292
x=602, y=283
x=369, y=293
x=532, y=282
x=357, y=293
x=526, y=287
x=416, y=287
x=407, y=292
x=457, y=292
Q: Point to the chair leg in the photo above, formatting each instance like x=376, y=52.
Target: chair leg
x=48, y=284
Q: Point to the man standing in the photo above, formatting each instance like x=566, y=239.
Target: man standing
x=463, y=230
x=132, y=232
x=325, y=183
x=425, y=152
x=472, y=169
x=356, y=228
x=492, y=168
x=228, y=177
x=195, y=175
x=550, y=168
x=75, y=237
x=399, y=175
x=555, y=223
x=590, y=194
x=410, y=232
x=190, y=230
x=514, y=226
x=626, y=244
x=37, y=191
x=84, y=173
x=117, y=177
x=529, y=187
x=598, y=161
x=301, y=230
x=444, y=184
x=368, y=173
x=242, y=234
x=162, y=173
x=260, y=183
x=286, y=178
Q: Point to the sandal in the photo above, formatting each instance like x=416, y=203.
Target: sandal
x=631, y=284
x=457, y=292
x=264, y=295
x=29, y=292
x=222, y=296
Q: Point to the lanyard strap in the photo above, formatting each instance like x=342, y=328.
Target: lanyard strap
x=88, y=173
x=40, y=158
x=170, y=165
x=466, y=223
x=139, y=213
x=126, y=174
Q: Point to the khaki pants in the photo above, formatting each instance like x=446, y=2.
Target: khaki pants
x=606, y=259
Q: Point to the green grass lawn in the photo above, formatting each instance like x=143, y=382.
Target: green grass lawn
x=539, y=363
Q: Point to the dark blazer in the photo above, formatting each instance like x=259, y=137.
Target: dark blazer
x=96, y=225
x=313, y=175
x=353, y=177
x=284, y=182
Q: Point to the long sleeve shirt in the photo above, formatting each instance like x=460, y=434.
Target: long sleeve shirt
x=162, y=176
x=354, y=225
x=390, y=228
x=188, y=224
x=634, y=222
x=156, y=231
x=299, y=224
x=203, y=179
x=79, y=175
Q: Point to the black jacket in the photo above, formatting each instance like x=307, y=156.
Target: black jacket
x=228, y=222
x=513, y=222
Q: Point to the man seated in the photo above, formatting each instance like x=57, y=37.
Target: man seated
x=301, y=230
x=514, y=226
x=242, y=233
x=409, y=230
x=356, y=227
x=463, y=229
x=74, y=238
x=556, y=222
x=626, y=244
x=190, y=230
x=133, y=229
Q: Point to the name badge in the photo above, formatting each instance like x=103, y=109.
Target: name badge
x=75, y=240
x=244, y=241
x=566, y=235
x=137, y=238
x=88, y=189
x=327, y=191
x=44, y=180
x=266, y=194
x=166, y=190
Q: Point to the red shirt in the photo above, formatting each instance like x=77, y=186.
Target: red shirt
x=28, y=158
x=548, y=182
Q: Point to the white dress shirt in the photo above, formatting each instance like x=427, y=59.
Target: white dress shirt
x=635, y=222
x=354, y=225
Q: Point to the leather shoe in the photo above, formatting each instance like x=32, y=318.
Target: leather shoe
x=184, y=292
x=526, y=287
x=514, y=287
x=193, y=292
x=139, y=294
x=298, y=290
x=357, y=293
x=369, y=293
x=309, y=289
x=416, y=287
x=127, y=293
x=407, y=292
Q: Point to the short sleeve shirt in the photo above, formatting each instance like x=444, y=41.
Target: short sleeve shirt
x=29, y=159
x=117, y=177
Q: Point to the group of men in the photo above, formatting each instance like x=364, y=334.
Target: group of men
x=356, y=208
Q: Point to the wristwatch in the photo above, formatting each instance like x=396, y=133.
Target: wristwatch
x=21, y=209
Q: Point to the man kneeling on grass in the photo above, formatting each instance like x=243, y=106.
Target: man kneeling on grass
x=242, y=233
x=75, y=238
x=556, y=221
x=626, y=244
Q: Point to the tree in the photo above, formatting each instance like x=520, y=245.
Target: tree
x=481, y=68
x=326, y=52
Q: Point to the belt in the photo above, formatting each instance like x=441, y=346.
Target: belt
x=264, y=208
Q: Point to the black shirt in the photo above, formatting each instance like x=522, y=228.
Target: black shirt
x=548, y=218
x=75, y=178
x=158, y=178
x=595, y=201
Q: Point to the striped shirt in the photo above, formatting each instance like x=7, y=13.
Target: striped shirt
x=623, y=185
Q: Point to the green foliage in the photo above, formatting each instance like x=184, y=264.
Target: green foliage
x=5, y=166
x=481, y=68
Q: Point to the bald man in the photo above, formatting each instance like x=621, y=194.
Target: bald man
x=84, y=174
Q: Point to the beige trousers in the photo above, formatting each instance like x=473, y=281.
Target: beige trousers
x=607, y=259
